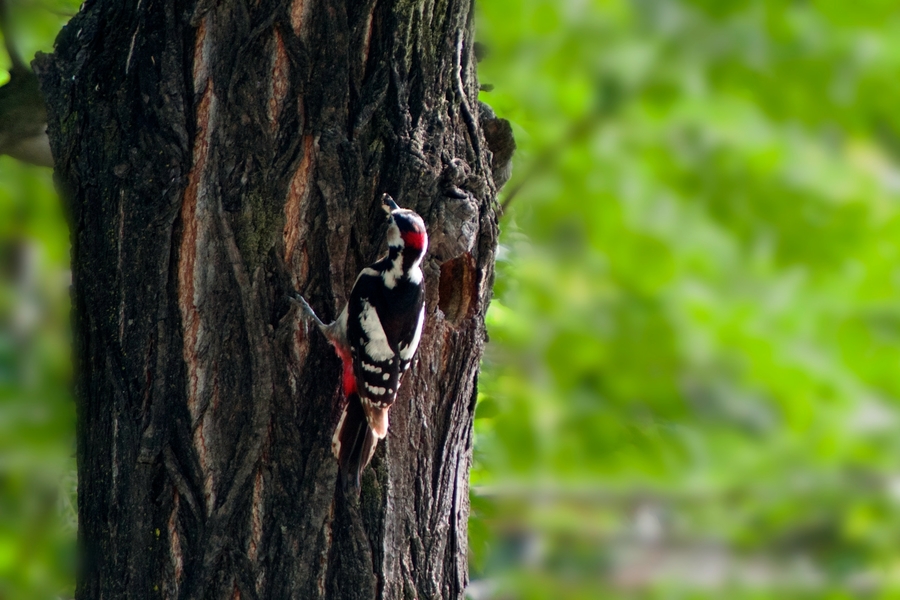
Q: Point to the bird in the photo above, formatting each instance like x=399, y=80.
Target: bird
x=376, y=336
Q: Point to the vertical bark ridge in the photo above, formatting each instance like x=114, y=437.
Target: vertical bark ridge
x=175, y=546
x=280, y=80
x=295, y=219
x=298, y=15
x=195, y=238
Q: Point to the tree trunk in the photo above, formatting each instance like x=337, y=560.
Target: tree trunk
x=213, y=157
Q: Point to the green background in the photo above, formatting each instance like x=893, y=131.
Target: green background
x=691, y=388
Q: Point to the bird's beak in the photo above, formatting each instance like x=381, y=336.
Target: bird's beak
x=388, y=204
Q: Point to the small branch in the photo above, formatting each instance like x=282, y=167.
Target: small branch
x=580, y=130
x=610, y=98
x=46, y=7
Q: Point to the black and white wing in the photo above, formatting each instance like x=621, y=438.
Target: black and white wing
x=383, y=340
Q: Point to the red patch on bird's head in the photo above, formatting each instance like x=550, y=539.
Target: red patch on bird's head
x=413, y=239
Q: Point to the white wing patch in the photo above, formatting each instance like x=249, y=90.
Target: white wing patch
x=372, y=368
x=406, y=352
x=377, y=347
x=375, y=389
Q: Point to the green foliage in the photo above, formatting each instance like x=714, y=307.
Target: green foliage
x=694, y=336
x=37, y=476
x=37, y=470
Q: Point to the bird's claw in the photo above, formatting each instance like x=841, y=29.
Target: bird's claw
x=308, y=314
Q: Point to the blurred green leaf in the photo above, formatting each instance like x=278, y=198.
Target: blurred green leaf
x=695, y=318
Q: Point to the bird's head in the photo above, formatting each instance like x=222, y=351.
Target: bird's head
x=406, y=229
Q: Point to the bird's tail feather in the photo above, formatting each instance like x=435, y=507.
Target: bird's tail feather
x=354, y=443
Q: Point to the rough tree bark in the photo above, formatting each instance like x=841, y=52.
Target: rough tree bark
x=215, y=155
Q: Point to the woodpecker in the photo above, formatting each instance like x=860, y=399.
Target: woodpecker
x=376, y=337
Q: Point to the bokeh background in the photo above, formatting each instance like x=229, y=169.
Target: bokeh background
x=692, y=388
